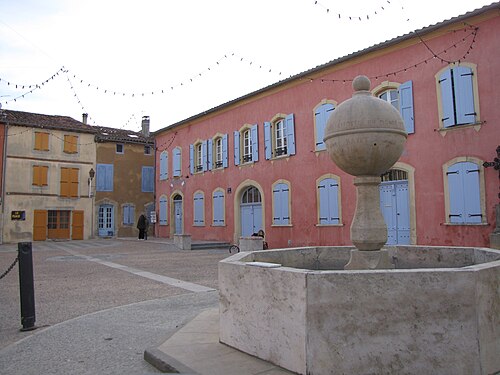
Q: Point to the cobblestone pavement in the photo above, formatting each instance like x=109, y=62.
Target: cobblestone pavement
x=74, y=278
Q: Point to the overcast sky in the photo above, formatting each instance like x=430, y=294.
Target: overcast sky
x=201, y=53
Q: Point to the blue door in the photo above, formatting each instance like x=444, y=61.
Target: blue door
x=394, y=204
x=106, y=220
x=251, y=212
x=178, y=215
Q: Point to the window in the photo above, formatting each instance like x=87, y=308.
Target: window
x=198, y=157
x=279, y=136
x=217, y=152
x=104, y=177
x=164, y=165
x=40, y=173
x=69, y=182
x=218, y=207
x=147, y=150
x=199, y=209
x=328, y=201
x=41, y=141
x=176, y=162
x=457, y=90
x=400, y=96
x=464, y=180
x=281, y=203
x=119, y=148
x=147, y=180
x=163, y=210
x=321, y=115
x=246, y=146
x=70, y=144
x=128, y=214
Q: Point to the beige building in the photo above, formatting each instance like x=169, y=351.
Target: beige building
x=49, y=166
x=124, y=182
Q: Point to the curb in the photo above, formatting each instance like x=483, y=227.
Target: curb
x=165, y=363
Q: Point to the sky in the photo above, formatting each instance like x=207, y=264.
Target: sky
x=119, y=60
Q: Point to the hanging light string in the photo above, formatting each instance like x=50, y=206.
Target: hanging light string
x=166, y=145
x=435, y=56
x=349, y=17
x=170, y=88
x=32, y=87
x=75, y=95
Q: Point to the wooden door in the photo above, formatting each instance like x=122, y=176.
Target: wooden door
x=77, y=225
x=39, y=225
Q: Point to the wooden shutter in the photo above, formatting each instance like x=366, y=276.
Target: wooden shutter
x=218, y=207
x=268, y=148
x=163, y=211
x=328, y=200
x=77, y=225
x=198, y=209
x=210, y=154
x=163, y=166
x=280, y=198
x=65, y=182
x=237, y=148
x=41, y=141
x=147, y=179
x=191, y=159
x=177, y=162
x=464, y=95
x=70, y=143
x=447, y=102
x=224, y=151
x=73, y=182
x=204, y=156
x=406, y=105
x=290, y=134
x=321, y=118
x=456, y=194
x=255, y=143
x=472, y=203
x=40, y=173
x=39, y=225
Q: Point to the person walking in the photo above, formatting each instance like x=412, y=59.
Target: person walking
x=142, y=225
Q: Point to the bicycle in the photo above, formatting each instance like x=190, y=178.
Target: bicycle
x=233, y=249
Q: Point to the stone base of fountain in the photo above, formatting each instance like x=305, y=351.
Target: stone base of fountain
x=437, y=311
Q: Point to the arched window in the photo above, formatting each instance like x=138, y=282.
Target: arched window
x=199, y=208
x=328, y=201
x=281, y=203
x=251, y=195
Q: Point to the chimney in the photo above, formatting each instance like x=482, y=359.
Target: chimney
x=145, y=126
x=84, y=118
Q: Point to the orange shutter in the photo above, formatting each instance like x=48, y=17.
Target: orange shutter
x=70, y=143
x=44, y=171
x=73, y=182
x=39, y=225
x=64, y=182
x=36, y=175
x=77, y=226
x=41, y=141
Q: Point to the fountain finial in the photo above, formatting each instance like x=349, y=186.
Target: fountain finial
x=361, y=83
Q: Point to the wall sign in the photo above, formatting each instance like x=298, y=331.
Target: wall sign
x=18, y=215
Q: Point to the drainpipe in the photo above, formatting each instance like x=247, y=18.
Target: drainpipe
x=4, y=164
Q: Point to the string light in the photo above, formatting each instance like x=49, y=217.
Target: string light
x=357, y=18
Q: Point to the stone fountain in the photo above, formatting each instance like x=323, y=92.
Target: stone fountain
x=369, y=309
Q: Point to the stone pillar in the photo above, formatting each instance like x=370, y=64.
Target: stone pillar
x=182, y=241
x=251, y=243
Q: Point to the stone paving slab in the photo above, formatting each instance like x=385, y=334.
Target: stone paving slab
x=195, y=349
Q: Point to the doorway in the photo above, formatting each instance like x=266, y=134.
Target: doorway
x=394, y=204
x=178, y=214
x=106, y=220
x=251, y=211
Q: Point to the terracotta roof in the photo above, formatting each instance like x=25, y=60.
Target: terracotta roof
x=105, y=134
x=305, y=74
x=37, y=120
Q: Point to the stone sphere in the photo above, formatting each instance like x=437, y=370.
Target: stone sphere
x=365, y=135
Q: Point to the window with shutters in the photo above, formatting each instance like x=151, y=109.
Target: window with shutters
x=147, y=180
x=322, y=113
x=69, y=182
x=163, y=165
x=328, y=198
x=163, y=210
x=464, y=182
x=400, y=96
x=217, y=152
x=40, y=175
x=246, y=145
x=70, y=144
x=218, y=203
x=119, y=148
x=198, y=157
x=41, y=141
x=281, y=203
x=279, y=136
x=176, y=162
x=104, y=177
x=199, y=209
x=128, y=214
x=458, y=98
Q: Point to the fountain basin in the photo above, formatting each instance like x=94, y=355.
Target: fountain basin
x=438, y=311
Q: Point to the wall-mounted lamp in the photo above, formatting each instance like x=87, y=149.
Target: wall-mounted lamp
x=229, y=190
x=91, y=177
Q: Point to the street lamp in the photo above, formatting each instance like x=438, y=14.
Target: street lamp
x=91, y=177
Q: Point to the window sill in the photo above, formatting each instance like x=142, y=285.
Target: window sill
x=476, y=126
x=281, y=225
x=329, y=225
x=218, y=225
x=198, y=225
x=465, y=224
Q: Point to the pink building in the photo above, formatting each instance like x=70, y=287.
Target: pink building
x=259, y=162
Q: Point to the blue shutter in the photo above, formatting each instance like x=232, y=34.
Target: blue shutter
x=100, y=177
x=131, y=214
x=210, y=154
x=163, y=166
x=447, y=102
x=323, y=202
x=464, y=95
x=224, y=151
x=218, y=207
x=290, y=134
x=177, y=162
x=472, y=203
x=163, y=211
x=255, y=143
x=198, y=209
x=109, y=177
x=280, y=196
x=267, y=140
x=321, y=119
x=126, y=214
x=191, y=159
x=147, y=179
x=204, y=152
x=389, y=211
x=333, y=206
x=236, y=148
x=406, y=106
x=456, y=194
